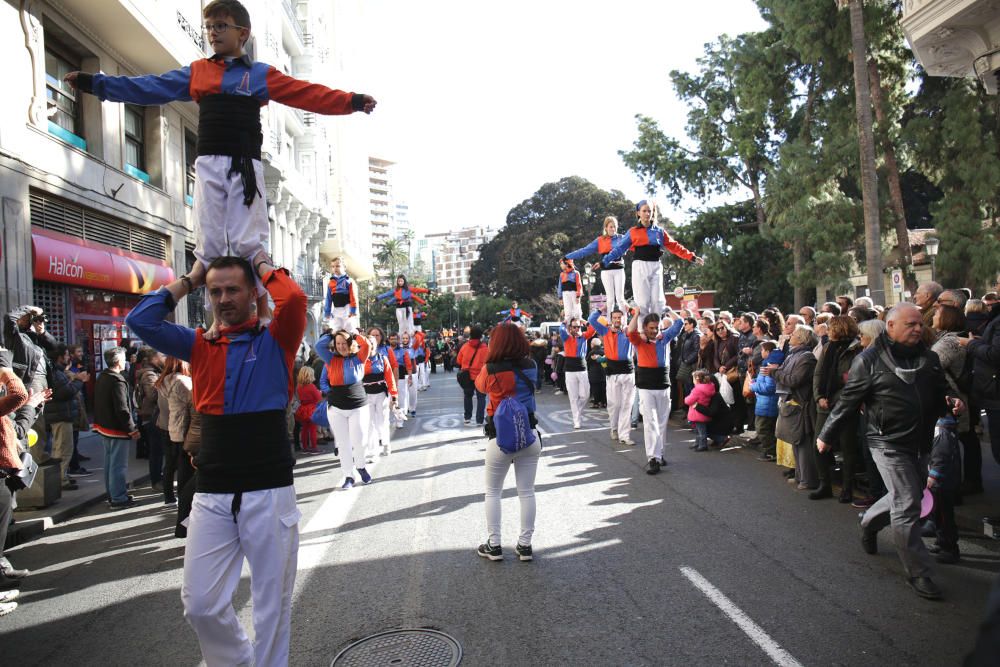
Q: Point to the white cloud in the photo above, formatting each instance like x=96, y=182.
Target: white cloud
x=482, y=103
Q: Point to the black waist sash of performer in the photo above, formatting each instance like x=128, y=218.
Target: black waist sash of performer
x=347, y=397
x=574, y=364
x=619, y=367
x=340, y=300
x=569, y=286
x=403, y=304
x=648, y=253
x=244, y=452
x=230, y=125
x=652, y=378
x=374, y=383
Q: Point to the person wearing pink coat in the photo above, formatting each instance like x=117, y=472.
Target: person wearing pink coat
x=701, y=394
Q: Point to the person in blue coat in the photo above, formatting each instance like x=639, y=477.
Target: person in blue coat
x=766, y=407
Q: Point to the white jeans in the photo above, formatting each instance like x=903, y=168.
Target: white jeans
x=655, y=407
x=350, y=434
x=266, y=533
x=223, y=224
x=578, y=389
x=403, y=393
x=422, y=379
x=647, y=287
x=525, y=466
x=404, y=319
x=340, y=318
x=571, y=307
x=378, y=421
x=614, y=287
x=411, y=400
x=621, y=394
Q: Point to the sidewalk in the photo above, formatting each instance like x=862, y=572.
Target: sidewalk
x=29, y=524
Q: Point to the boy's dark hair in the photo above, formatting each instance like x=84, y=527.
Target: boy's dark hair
x=651, y=318
x=749, y=318
x=58, y=351
x=231, y=8
x=768, y=346
x=228, y=262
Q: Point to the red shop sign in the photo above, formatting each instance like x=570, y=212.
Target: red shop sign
x=66, y=259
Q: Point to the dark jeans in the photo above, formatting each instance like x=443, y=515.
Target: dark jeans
x=993, y=424
x=739, y=406
x=186, y=481
x=480, y=404
x=599, y=393
x=765, y=433
x=848, y=445
x=6, y=512
x=154, y=439
x=538, y=375
x=972, y=458
x=171, y=451
x=944, y=519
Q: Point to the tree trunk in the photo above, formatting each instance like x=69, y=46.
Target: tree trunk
x=892, y=171
x=866, y=143
x=798, y=260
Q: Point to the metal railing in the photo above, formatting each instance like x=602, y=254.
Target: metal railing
x=312, y=285
x=294, y=20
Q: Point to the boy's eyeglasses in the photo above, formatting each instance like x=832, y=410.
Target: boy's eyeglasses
x=220, y=27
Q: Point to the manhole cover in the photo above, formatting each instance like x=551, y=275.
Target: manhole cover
x=405, y=648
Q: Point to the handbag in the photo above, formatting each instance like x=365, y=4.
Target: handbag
x=24, y=477
x=747, y=391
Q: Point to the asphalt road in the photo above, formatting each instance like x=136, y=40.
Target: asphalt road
x=629, y=569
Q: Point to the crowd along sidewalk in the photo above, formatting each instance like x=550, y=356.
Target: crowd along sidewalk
x=30, y=523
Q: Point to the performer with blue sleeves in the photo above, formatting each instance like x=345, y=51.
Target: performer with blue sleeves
x=648, y=240
x=575, y=349
x=570, y=289
x=613, y=275
x=341, y=306
x=618, y=351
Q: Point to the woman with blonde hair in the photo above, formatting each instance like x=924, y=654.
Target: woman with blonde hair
x=173, y=389
x=613, y=275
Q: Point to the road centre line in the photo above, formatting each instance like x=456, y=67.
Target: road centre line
x=756, y=633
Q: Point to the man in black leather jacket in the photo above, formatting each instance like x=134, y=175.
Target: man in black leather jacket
x=28, y=341
x=902, y=388
x=985, y=351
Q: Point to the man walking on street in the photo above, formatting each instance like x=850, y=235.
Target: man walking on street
x=903, y=389
x=62, y=412
x=113, y=410
x=244, y=507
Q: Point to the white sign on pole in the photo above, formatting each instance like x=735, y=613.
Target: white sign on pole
x=897, y=281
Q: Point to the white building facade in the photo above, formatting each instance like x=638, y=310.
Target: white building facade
x=97, y=197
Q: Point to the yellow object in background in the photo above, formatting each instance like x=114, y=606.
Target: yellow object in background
x=32, y=437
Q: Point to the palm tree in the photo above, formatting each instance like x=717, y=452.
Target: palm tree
x=866, y=143
x=391, y=256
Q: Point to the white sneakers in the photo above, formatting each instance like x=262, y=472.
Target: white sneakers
x=614, y=434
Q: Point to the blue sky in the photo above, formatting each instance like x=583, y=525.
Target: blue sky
x=482, y=103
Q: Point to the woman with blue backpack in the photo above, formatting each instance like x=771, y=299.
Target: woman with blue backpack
x=508, y=379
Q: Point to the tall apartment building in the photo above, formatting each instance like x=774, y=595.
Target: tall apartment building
x=97, y=197
x=454, y=261
x=380, y=209
x=401, y=225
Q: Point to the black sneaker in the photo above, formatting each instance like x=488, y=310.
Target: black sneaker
x=79, y=472
x=69, y=485
x=652, y=467
x=123, y=504
x=523, y=552
x=869, y=539
x=494, y=553
x=925, y=588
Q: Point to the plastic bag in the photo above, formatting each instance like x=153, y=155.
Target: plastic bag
x=725, y=389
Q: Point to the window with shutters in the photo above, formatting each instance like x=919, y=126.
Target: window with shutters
x=135, y=146
x=65, y=217
x=190, y=155
x=65, y=118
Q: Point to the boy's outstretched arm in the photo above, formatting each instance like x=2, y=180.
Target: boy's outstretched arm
x=148, y=90
x=315, y=97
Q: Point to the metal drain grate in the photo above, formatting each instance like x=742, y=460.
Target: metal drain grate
x=402, y=648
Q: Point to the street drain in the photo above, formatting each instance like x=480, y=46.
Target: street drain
x=402, y=648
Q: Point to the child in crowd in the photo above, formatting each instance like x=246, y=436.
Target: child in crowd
x=341, y=308
x=766, y=405
x=944, y=474
x=701, y=394
x=230, y=89
x=309, y=398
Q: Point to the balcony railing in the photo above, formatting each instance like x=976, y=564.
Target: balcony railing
x=191, y=31
x=294, y=20
x=311, y=285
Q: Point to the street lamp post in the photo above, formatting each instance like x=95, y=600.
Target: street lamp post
x=931, y=246
x=458, y=317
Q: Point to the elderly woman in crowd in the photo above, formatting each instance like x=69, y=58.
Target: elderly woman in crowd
x=833, y=362
x=950, y=323
x=796, y=409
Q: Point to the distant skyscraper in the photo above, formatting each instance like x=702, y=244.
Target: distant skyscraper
x=380, y=213
x=453, y=262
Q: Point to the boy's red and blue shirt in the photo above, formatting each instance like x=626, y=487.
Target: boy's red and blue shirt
x=403, y=296
x=575, y=347
x=241, y=77
x=340, y=292
x=618, y=349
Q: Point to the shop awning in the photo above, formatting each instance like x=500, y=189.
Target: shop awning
x=61, y=258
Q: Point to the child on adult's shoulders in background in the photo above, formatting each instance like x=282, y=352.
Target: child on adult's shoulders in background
x=701, y=394
x=340, y=309
x=766, y=406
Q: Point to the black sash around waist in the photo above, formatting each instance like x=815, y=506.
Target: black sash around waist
x=347, y=397
x=619, y=367
x=569, y=286
x=618, y=264
x=230, y=125
x=374, y=383
x=648, y=253
x=340, y=300
x=652, y=378
x=244, y=452
x=574, y=364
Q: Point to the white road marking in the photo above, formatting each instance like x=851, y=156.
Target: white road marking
x=738, y=616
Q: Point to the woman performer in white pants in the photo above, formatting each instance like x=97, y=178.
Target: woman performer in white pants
x=347, y=403
x=613, y=276
x=380, y=386
x=404, y=368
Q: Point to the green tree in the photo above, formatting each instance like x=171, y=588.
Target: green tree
x=522, y=261
x=391, y=258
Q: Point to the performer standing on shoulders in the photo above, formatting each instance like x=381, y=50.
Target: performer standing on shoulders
x=613, y=275
x=570, y=289
x=341, y=307
x=403, y=297
x=515, y=314
x=648, y=240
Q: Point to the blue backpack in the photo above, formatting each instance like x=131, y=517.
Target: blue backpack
x=512, y=420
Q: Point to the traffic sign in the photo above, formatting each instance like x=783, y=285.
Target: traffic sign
x=679, y=292
x=897, y=280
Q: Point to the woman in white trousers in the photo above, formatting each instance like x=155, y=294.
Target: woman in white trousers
x=404, y=373
x=347, y=403
x=380, y=387
x=612, y=275
x=411, y=385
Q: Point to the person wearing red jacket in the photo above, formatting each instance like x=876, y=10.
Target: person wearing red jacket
x=245, y=504
x=380, y=386
x=508, y=371
x=404, y=373
x=618, y=352
x=648, y=240
x=652, y=380
x=470, y=362
x=309, y=398
x=419, y=353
